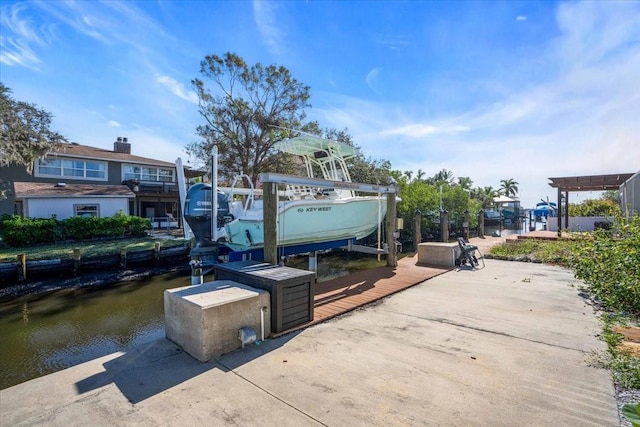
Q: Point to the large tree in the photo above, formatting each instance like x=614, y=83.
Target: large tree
x=26, y=133
x=246, y=111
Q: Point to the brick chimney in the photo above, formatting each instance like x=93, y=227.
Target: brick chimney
x=122, y=146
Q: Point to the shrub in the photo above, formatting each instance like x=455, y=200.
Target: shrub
x=137, y=226
x=17, y=231
x=591, y=207
x=80, y=228
x=609, y=263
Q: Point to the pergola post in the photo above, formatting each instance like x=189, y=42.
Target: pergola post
x=392, y=256
x=566, y=210
x=559, y=212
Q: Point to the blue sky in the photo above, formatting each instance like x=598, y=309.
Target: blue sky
x=486, y=89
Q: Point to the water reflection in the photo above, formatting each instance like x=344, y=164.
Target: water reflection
x=46, y=333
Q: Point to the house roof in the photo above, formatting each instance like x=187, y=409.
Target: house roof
x=41, y=189
x=503, y=199
x=87, y=152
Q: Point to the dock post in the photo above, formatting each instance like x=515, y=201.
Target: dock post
x=392, y=256
x=76, y=260
x=156, y=252
x=123, y=257
x=481, y=223
x=313, y=262
x=417, y=232
x=22, y=267
x=465, y=224
x=270, y=203
x=444, y=226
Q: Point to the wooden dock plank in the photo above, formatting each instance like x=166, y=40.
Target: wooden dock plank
x=343, y=294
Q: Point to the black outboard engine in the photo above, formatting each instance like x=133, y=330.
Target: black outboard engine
x=197, y=212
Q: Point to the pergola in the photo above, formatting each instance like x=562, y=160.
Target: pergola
x=584, y=183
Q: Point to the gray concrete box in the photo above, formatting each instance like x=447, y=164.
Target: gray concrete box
x=205, y=319
x=438, y=253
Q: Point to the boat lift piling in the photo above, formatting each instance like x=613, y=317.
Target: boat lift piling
x=270, y=202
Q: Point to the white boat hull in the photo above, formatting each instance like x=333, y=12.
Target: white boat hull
x=310, y=221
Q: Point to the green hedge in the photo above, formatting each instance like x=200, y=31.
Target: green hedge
x=17, y=231
x=609, y=263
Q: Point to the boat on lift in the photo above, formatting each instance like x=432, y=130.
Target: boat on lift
x=545, y=209
x=306, y=214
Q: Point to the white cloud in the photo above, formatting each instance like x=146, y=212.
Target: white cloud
x=18, y=34
x=18, y=52
x=521, y=18
x=417, y=130
x=178, y=89
x=77, y=16
x=579, y=118
x=266, y=18
x=372, y=76
x=113, y=124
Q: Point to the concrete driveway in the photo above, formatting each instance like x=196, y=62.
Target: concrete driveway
x=504, y=346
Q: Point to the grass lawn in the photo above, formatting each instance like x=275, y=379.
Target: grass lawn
x=551, y=252
x=88, y=248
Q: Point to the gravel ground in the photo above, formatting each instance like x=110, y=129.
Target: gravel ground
x=624, y=396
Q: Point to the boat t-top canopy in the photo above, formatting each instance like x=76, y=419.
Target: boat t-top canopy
x=314, y=146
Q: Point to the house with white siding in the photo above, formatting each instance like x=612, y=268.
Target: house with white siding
x=80, y=180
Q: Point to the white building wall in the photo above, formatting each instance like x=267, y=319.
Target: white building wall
x=63, y=207
x=630, y=192
x=580, y=223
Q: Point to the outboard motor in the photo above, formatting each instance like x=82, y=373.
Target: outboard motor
x=197, y=212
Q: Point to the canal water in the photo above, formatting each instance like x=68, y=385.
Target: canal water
x=41, y=334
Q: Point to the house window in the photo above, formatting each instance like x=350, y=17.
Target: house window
x=74, y=169
x=147, y=173
x=86, y=211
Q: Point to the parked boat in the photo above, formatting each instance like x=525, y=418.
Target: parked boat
x=492, y=217
x=545, y=209
x=306, y=214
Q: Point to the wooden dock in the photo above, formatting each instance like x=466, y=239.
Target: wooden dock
x=343, y=294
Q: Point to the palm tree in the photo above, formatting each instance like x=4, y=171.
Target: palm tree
x=509, y=187
x=465, y=182
x=486, y=196
x=444, y=177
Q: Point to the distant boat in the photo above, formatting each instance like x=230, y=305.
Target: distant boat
x=492, y=217
x=545, y=209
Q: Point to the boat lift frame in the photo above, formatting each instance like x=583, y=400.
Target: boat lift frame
x=270, y=208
